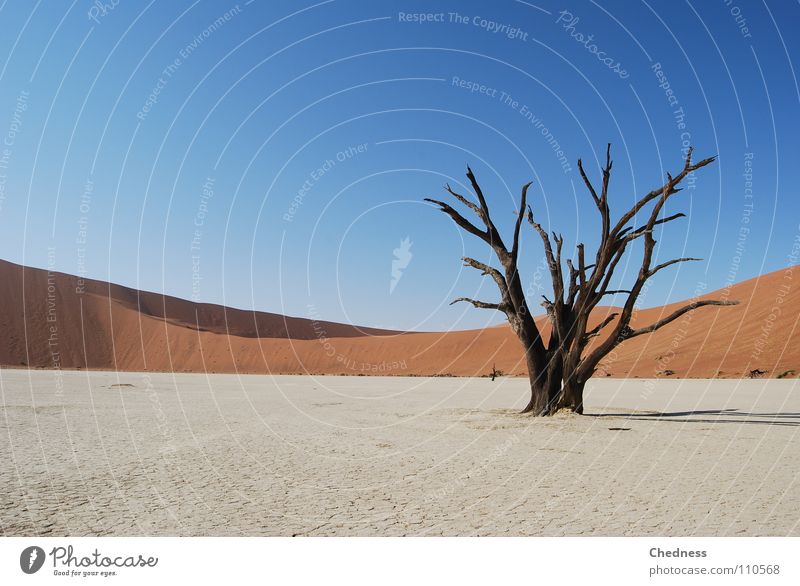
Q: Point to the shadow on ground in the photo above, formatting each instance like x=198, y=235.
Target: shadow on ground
x=790, y=419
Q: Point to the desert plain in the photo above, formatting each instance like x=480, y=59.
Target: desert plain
x=113, y=453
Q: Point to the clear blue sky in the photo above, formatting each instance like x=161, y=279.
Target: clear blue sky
x=251, y=147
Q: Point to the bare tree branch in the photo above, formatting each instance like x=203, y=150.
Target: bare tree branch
x=494, y=235
x=632, y=333
x=664, y=265
x=598, y=328
x=465, y=201
x=574, y=282
x=609, y=273
x=606, y=176
x=488, y=270
x=588, y=183
x=667, y=189
x=520, y=216
x=643, y=229
x=480, y=304
x=559, y=275
x=461, y=220
x=548, y=251
x=581, y=264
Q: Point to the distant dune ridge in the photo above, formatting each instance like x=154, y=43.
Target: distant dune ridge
x=54, y=320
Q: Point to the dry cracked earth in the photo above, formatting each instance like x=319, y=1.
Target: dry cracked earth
x=189, y=454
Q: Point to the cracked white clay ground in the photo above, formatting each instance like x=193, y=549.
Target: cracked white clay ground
x=162, y=454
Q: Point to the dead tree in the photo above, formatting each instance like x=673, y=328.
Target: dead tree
x=558, y=371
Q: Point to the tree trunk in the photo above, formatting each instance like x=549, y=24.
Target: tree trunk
x=572, y=395
x=555, y=374
x=569, y=395
x=544, y=386
x=540, y=397
x=539, y=401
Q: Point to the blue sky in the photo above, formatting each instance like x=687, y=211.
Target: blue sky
x=274, y=155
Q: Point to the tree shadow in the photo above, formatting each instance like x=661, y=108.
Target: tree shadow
x=788, y=419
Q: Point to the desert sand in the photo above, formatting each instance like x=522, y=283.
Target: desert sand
x=194, y=454
x=54, y=320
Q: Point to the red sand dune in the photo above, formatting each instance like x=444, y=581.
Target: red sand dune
x=47, y=323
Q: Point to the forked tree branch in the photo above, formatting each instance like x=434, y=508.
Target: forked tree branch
x=460, y=220
x=488, y=270
x=497, y=241
x=465, y=201
x=669, y=188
